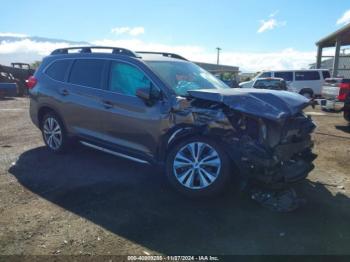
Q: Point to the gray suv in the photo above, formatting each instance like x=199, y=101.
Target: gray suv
x=160, y=109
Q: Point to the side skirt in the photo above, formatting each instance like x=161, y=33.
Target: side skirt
x=114, y=152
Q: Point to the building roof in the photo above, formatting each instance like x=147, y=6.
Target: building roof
x=214, y=68
x=330, y=40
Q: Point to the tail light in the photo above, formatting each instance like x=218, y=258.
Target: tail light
x=343, y=91
x=31, y=82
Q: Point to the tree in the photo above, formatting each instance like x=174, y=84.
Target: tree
x=35, y=65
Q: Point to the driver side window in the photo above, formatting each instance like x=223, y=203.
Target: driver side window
x=126, y=79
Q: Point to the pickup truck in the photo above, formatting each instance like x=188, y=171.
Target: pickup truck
x=334, y=92
x=17, y=73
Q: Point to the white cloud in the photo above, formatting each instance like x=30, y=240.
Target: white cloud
x=345, y=19
x=270, y=24
x=13, y=35
x=133, y=31
x=267, y=25
x=137, y=31
x=29, y=46
x=247, y=61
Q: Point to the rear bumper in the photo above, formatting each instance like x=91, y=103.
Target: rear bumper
x=331, y=104
x=33, y=112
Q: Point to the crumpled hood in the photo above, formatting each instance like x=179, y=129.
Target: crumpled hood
x=270, y=104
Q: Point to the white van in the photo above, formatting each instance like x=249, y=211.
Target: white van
x=305, y=82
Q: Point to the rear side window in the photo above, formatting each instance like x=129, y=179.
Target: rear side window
x=326, y=74
x=287, y=76
x=58, y=69
x=307, y=75
x=265, y=74
x=268, y=84
x=87, y=72
x=126, y=79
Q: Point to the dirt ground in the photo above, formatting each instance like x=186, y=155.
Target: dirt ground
x=88, y=202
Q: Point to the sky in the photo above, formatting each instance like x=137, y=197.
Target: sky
x=254, y=35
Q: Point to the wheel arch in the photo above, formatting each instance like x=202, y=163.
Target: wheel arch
x=306, y=90
x=187, y=132
x=43, y=110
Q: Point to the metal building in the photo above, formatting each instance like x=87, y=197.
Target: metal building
x=220, y=69
x=337, y=39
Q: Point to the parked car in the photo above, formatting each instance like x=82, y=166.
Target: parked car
x=305, y=82
x=334, y=92
x=270, y=83
x=163, y=110
x=346, y=108
x=20, y=73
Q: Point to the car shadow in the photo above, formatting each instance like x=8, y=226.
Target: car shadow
x=135, y=202
x=6, y=98
x=344, y=128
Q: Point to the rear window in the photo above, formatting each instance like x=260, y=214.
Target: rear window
x=307, y=75
x=58, y=69
x=87, y=72
x=268, y=84
x=287, y=76
x=326, y=74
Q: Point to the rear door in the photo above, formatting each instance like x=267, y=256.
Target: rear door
x=128, y=122
x=82, y=94
x=308, y=79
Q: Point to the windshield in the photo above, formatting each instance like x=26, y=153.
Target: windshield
x=185, y=76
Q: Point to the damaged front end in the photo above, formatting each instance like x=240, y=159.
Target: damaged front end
x=265, y=132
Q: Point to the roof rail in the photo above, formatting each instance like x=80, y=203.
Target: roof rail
x=87, y=50
x=163, y=54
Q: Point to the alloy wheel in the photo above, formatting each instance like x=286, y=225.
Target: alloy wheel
x=52, y=133
x=196, y=165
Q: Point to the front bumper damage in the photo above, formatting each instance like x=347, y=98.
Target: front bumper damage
x=266, y=135
x=276, y=168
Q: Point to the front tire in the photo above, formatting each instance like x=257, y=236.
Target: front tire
x=198, y=167
x=54, y=133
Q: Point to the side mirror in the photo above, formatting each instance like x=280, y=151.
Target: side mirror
x=149, y=95
x=144, y=94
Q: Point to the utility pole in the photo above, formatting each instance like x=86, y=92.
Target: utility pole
x=218, y=57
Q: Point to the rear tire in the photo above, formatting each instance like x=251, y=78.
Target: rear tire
x=306, y=94
x=54, y=133
x=198, y=167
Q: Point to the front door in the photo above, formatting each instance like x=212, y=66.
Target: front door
x=127, y=121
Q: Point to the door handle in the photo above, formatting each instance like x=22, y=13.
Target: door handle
x=64, y=92
x=107, y=104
